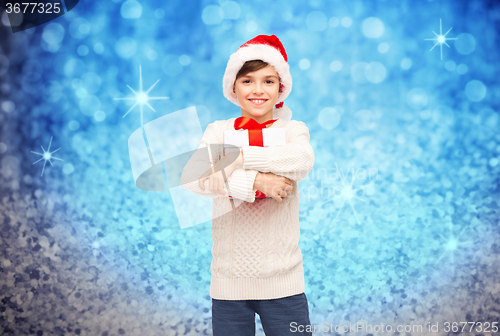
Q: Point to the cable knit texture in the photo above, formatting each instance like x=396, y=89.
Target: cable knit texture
x=255, y=250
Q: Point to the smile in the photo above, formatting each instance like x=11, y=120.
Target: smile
x=258, y=101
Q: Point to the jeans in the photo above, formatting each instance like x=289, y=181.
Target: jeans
x=279, y=317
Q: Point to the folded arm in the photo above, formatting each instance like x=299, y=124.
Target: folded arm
x=240, y=181
x=293, y=160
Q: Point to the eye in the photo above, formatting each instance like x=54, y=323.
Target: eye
x=269, y=81
x=246, y=81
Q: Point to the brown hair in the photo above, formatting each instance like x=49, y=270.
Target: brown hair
x=251, y=66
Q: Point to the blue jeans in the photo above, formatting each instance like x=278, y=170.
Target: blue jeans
x=279, y=317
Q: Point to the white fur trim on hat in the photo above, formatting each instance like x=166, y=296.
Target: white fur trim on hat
x=252, y=52
x=283, y=113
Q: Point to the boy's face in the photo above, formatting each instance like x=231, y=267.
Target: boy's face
x=257, y=92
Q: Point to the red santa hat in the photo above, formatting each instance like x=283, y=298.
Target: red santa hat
x=267, y=48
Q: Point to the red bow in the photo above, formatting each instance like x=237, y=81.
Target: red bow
x=255, y=137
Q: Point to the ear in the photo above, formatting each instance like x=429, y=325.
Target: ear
x=233, y=94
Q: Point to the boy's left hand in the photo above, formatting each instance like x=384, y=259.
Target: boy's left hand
x=216, y=179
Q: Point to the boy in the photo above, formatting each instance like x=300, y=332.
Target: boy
x=257, y=263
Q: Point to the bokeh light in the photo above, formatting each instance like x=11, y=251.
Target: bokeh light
x=212, y=15
x=53, y=33
x=417, y=98
x=346, y=22
x=231, y=10
x=99, y=48
x=383, y=47
x=373, y=27
x=450, y=66
x=159, y=13
x=475, y=90
x=465, y=43
x=131, y=9
x=336, y=66
x=83, y=50
x=8, y=106
x=333, y=22
x=329, y=118
x=79, y=28
x=462, y=69
x=406, y=63
x=316, y=21
x=375, y=72
x=126, y=47
x=304, y=64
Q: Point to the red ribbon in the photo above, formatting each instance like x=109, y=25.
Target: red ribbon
x=255, y=137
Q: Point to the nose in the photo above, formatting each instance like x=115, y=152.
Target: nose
x=257, y=89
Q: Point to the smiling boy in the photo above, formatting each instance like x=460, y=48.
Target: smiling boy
x=257, y=91
x=257, y=263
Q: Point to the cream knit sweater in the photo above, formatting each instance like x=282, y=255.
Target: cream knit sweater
x=255, y=250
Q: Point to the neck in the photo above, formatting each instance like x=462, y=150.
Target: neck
x=259, y=119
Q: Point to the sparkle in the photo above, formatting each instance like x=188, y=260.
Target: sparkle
x=141, y=98
x=348, y=194
x=453, y=245
x=94, y=247
x=47, y=156
x=441, y=39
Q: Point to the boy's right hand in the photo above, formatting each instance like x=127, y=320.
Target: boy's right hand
x=228, y=163
x=273, y=185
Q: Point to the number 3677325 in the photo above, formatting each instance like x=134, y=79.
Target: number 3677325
x=33, y=7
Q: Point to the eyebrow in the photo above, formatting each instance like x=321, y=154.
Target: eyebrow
x=268, y=76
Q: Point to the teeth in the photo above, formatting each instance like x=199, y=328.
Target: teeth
x=258, y=101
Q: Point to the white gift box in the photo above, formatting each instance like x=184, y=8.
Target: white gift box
x=233, y=140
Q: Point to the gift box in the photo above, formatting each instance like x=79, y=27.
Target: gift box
x=234, y=140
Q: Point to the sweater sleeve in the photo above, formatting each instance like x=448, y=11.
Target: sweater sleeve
x=293, y=160
x=240, y=182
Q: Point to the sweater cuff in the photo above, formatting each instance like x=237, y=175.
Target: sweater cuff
x=241, y=184
x=255, y=158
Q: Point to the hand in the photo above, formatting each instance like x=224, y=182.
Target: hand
x=215, y=184
x=216, y=179
x=273, y=185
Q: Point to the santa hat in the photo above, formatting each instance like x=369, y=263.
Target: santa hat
x=269, y=49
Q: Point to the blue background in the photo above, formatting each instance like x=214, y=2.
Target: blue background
x=399, y=217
